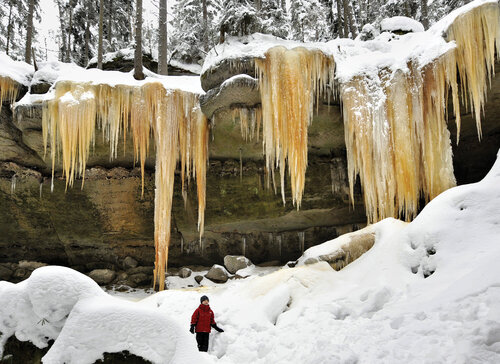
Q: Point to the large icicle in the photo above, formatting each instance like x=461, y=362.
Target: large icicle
x=179, y=128
x=8, y=90
x=291, y=80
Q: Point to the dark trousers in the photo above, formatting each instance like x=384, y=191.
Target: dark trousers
x=202, y=340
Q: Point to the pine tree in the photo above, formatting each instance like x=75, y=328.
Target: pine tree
x=308, y=20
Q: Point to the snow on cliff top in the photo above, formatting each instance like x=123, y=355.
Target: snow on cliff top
x=355, y=57
x=16, y=70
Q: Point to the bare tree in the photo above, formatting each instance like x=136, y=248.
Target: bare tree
x=110, y=25
x=68, y=49
x=205, y=25
x=29, y=32
x=339, y=20
x=138, y=73
x=9, y=27
x=99, y=46
x=425, y=15
x=87, y=33
x=162, y=39
x=348, y=20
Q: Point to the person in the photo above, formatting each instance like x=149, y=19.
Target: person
x=201, y=322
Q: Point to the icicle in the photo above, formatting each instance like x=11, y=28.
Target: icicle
x=302, y=236
x=41, y=187
x=174, y=118
x=13, y=181
x=290, y=82
x=241, y=166
x=279, y=244
x=476, y=34
x=8, y=90
x=244, y=244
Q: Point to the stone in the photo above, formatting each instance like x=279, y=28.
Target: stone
x=309, y=261
x=129, y=263
x=185, y=272
x=122, y=276
x=139, y=279
x=5, y=272
x=20, y=274
x=198, y=279
x=233, y=263
x=30, y=265
x=145, y=270
x=102, y=276
x=217, y=274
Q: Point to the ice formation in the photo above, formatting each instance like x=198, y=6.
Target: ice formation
x=172, y=116
x=8, y=90
x=290, y=81
x=394, y=107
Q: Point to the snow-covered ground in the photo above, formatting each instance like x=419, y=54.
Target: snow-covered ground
x=427, y=292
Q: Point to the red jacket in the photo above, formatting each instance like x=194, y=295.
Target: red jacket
x=203, y=317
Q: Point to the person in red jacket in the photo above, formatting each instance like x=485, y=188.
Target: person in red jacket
x=201, y=323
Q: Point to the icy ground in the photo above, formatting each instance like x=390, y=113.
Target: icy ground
x=427, y=292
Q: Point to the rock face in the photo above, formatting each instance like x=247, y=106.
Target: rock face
x=233, y=263
x=106, y=222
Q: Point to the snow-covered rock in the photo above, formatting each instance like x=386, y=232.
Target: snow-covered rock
x=233, y=263
x=401, y=24
x=217, y=274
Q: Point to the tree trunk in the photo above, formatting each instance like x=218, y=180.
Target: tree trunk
x=205, y=25
x=283, y=5
x=110, y=25
x=9, y=28
x=68, y=50
x=425, y=15
x=99, y=46
x=138, y=74
x=162, y=39
x=348, y=21
x=87, y=35
x=342, y=20
x=258, y=4
x=29, y=32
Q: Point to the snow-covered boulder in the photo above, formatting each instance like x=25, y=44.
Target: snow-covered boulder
x=233, y=263
x=60, y=304
x=217, y=274
x=340, y=251
x=401, y=25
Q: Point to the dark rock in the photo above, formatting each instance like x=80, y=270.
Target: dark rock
x=139, y=279
x=198, y=279
x=5, y=272
x=217, y=274
x=272, y=263
x=129, y=263
x=144, y=270
x=102, y=276
x=185, y=272
x=233, y=263
x=20, y=274
x=40, y=88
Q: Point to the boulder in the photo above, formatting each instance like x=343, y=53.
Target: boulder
x=185, y=272
x=129, y=263
x=198, y=279
x=309, y=261
x=139, y=279
x=5, y=272
x=234, y=263
x=30, y=265
x=102, y=276
x=217, y=274
x=146, y=270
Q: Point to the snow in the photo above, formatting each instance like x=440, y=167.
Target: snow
x=61, y=304
x=401, y=23
x=16, y=70
x=380, y=308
